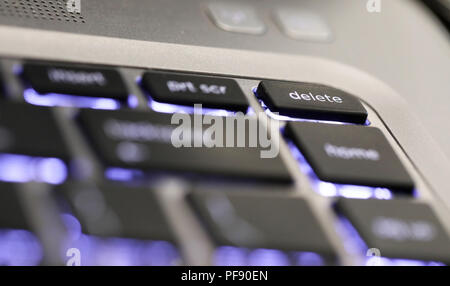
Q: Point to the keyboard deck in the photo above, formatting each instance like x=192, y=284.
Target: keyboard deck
x=88, y=167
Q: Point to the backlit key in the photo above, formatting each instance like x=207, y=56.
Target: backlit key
x=311, y=101
x=189, y=89
x=32, y=147
x=118, y=225
x=30, y=130
x=398, y=228
x=261, y=229
x=90, y=81
x=350, y=154
x=143, y=141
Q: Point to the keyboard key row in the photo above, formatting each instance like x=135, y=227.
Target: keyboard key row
x=298, y=100
x=342, y=154
x=125, y=139
x=255, y=226
x=246, y=228
x=367, y=156
x=50, y=79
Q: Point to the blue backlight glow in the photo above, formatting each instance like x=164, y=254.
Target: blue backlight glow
x=19, y=248
x=65, y=100
x=22, y=169
x=383, y=261
x=265, y=257
x=123, y=174
x=240, y=256
x=114, y=251
x=173, y=108
x=133, y=101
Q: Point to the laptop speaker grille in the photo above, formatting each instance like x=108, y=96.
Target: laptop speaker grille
x=49, y=10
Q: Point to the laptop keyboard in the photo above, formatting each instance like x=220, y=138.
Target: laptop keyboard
x=123, y=176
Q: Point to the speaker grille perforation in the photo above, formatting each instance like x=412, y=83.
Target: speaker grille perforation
x=50, y=10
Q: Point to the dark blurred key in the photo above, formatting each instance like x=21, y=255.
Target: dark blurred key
x=12, y=212
x=188, y=89
x=350, y=154
x=398, y=228
x=118, y=211
x=75, y=80
x=117, y=225
x=30, y=130
x=142, y=140
x=311, y=101
x=256, y=221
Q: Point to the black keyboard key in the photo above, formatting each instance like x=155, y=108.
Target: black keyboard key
x=117, y=225
x=75, y=80
x=350, y=154
x=398, y=228
x=188, y=89
x=30, y=130
x=111, y=210
x=142, y=140
x=311, y=101
x=12, y=212
x=255, y=221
